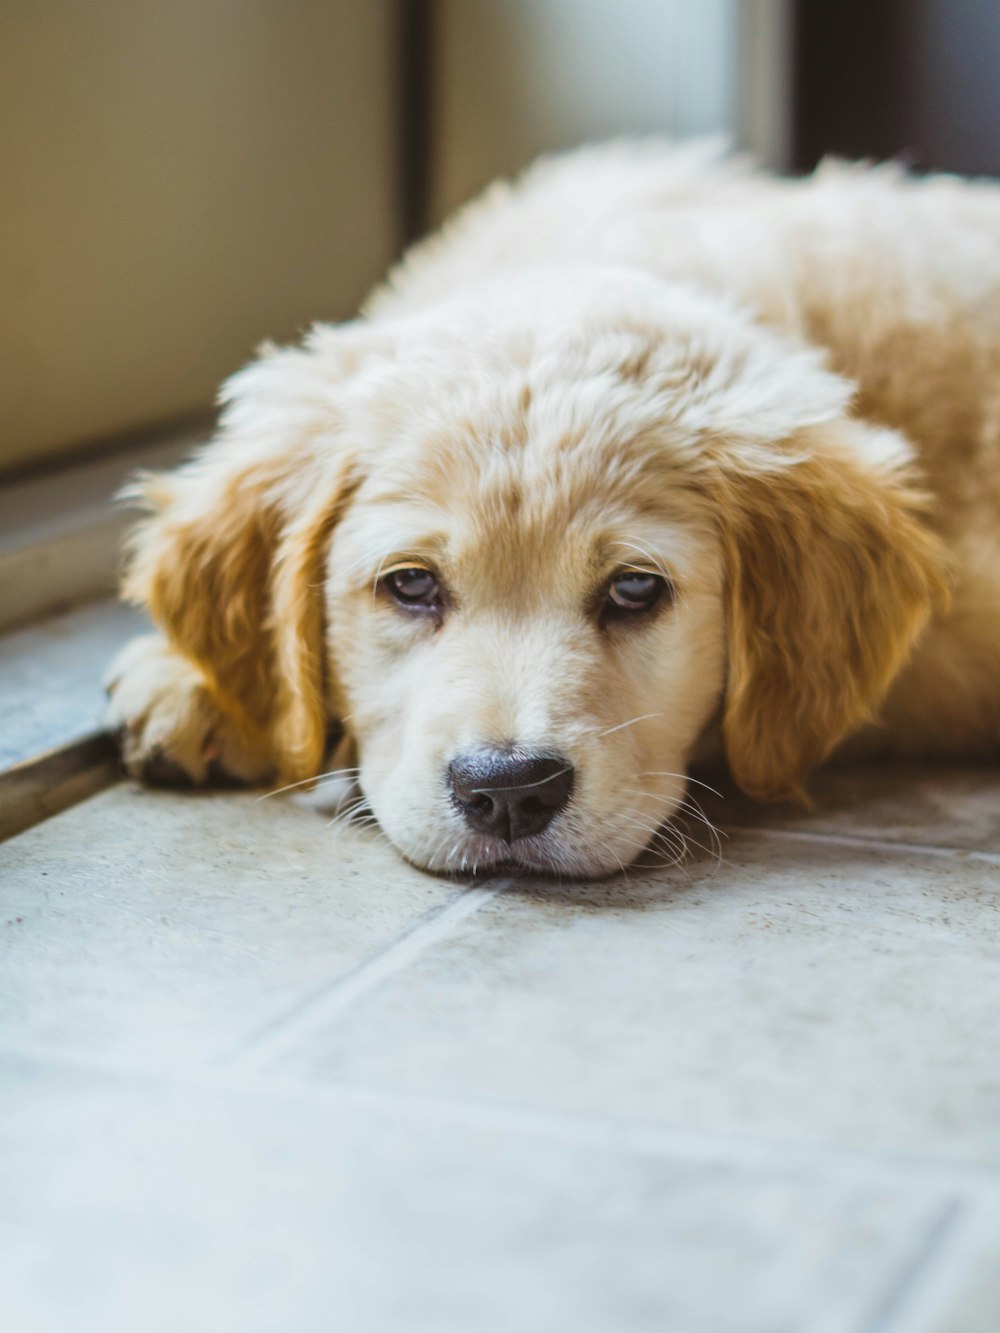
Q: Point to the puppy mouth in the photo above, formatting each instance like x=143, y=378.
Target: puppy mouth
x=497, y=857
x=537, y=856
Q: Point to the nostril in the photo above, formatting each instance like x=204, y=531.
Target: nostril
x=510, y=793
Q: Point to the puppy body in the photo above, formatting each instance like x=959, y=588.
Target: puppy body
x=897, y=279
x=779, y=400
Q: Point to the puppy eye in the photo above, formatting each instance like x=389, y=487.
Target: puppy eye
x=413, y=586
x=633, y=591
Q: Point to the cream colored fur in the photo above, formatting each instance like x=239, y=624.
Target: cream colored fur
x=784, y=395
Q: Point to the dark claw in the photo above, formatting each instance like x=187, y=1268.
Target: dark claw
x=218, y=777
x=159, y=770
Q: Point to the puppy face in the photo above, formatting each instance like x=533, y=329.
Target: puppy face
x=588, y=514
x=526, y=612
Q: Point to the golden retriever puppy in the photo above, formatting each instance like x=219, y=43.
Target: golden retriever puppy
x=647, y=455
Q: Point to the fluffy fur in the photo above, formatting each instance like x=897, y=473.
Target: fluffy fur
x=784, y=395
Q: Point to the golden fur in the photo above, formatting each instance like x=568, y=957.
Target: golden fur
x=784, y=395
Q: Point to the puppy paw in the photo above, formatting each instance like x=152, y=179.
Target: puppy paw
x=172, y=732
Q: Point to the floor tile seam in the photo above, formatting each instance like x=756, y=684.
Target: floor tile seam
x=911, y=1273
x=977, y=1182
x=922, y=1305
x=638, y=1134
x=286, y=1031
x=948, y=853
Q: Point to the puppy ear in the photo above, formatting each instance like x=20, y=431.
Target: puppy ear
x=832, y=573
x=230, y=563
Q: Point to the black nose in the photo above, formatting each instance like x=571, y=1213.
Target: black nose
x=510, y=793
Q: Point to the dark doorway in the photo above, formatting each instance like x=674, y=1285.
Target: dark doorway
x=917, y=80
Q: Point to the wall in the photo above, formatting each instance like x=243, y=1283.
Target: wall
x=184, y=179
x=180, y=180
x=910, y=79
x=516, y=77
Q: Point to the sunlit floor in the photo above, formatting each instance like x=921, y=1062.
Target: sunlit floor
x=262, y=1076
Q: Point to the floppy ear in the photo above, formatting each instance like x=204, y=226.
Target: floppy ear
x=832, y=573
x=230, y=562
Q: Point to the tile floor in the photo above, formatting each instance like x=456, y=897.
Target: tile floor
x=259, y=1076
x=50, y=677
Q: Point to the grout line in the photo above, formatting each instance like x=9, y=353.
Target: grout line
x=866, y=843
x=927, y=1302
x=911, y=1275
x=318, y=1011
x=978, y=1180
x=760, y=1150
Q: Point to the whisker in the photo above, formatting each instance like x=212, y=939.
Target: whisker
x=630, y=723
x=522, y=786
x=691, y=807
x=685, y=777
x=671, y=835
x=319, y=777
x=667, y=854
x=611, y=851
x=343, y=816
x=714, y=852
x=651, y=795
x=658, y=833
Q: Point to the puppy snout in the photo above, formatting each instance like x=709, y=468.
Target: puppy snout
x=510, y=794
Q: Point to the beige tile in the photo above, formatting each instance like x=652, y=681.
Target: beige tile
x=154, y=928
x=147, y=1207
x=798, y=991
x=944, y=806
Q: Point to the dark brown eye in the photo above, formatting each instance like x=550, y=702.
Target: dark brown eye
x=634, y=591
x=413, y=587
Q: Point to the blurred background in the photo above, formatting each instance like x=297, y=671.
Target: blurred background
x=184, y=179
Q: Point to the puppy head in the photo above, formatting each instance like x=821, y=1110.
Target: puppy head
x=529, y=544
